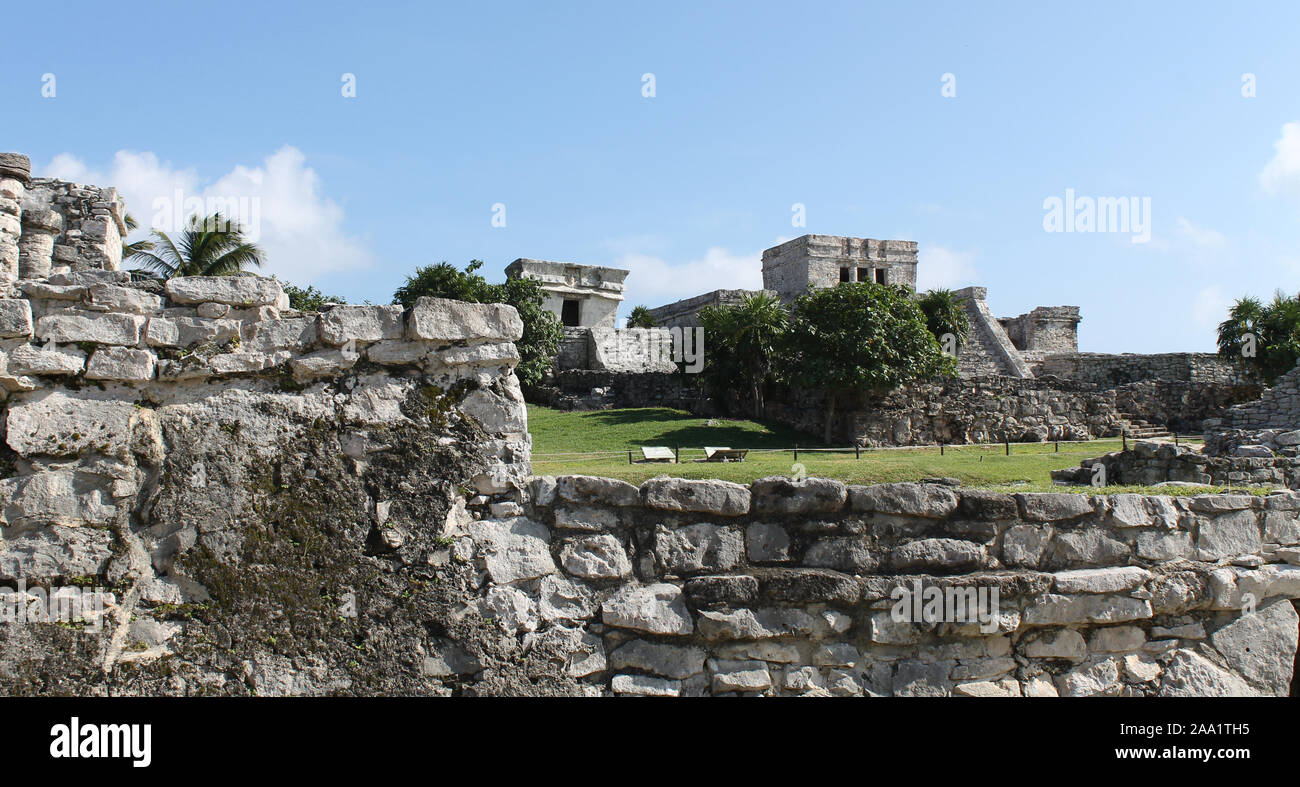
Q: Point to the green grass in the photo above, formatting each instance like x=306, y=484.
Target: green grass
x=596, y=443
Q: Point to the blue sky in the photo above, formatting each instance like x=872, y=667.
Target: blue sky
x=757, y=107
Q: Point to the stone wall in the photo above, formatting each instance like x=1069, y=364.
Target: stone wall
x=1272, y=421
x=631, y=350
x=688, y=588
x=1151, y=462
x=1046, y=330
x=257, y=493
x=1178, y=405
x=957, y=411
x=594, y=390
x=685, y=313
x=1117, y=369
x=46, y=223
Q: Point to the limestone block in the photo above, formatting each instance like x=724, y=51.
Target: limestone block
x=323, y=363
x=15, y=318
x=56, y=423
x=1053, y=610
x=696, y=548
x=397, y=352
x=110, y=297
x=247, y=362
x=655, y=609
x=645, y=686
x=745, y=624
x=46, y=360
x=56, y=552
x=440, y=319
x=295, y=334
x=492, y=354
x=1100, y=580
x=781, y=495
x=59, y=497
x=661, y=658
x=121, y=363
x=513, y=549
x=71, y=326
x=938, y=554
x=344, y=323
x=592, y=489
x=709, y=497
x=189, y=331
x=595, y=557
x=924, y=500
x=239, y=291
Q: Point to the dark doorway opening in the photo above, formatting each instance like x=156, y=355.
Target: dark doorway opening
x=880, y=276
x=844, y=275
x=569, y=313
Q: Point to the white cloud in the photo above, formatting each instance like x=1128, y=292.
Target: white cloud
x=1201, y=237
x=281, y=202
x=938, y=266
x=653, y=281
x=1281, y=175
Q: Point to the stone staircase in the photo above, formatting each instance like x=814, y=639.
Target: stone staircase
x=1137, y=429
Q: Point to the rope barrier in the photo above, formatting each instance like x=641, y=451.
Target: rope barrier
x=593, y=455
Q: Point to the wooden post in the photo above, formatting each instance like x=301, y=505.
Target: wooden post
x=940, y=449
x=796, y=452
x=1124, y=437
x=629, y=457
x=1057, y=450
x=1175, y=439
x=677, y=454
x=1007, y=441
x=857, y=451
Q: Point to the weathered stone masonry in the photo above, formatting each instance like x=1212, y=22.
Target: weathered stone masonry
x=707, y=587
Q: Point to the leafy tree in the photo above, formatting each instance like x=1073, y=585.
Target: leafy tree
x=743, y=342
x=308, y=299
x=1272, y=329
x=945, y=312
x=211, y=246
x=542, y=331
x=860, y=337
x=640, y=317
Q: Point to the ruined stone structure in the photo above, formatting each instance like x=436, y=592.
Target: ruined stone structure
x=1261, y=427
x=685, y=313
x=820, y=261
x=578, y=295
x=585, y=299
x=269, y=502
x=46, y=223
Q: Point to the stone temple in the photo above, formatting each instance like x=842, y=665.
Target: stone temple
x=584, y=297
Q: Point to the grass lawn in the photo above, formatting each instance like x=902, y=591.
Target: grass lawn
x=596, y=443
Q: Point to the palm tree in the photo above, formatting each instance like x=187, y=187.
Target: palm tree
x=743, y=343
x=212, y=246
x=1264, y=338
x=640, y=317
x=945, y=312
x=129, y=250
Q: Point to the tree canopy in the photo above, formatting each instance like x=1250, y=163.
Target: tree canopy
x=1264, y=338
x=542, y=331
